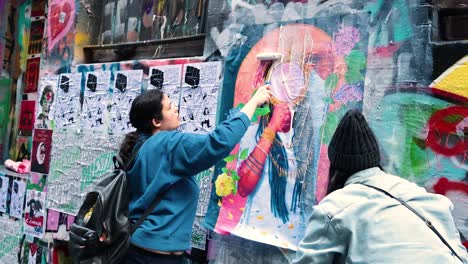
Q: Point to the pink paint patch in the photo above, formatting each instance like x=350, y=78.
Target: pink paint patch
x=230, y=214
x=52, y=220
x=322, y=174
x=387, y=51
x=61, y=20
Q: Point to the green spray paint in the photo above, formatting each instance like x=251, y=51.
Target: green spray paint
x=5, y=97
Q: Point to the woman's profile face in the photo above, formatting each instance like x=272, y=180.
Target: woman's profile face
x=170, y=113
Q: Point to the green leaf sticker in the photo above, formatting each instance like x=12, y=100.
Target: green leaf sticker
x=244, y=154
x=224, y=170
x=234, y=189
x=229, y=158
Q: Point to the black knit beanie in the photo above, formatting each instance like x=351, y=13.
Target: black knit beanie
x=353, y=147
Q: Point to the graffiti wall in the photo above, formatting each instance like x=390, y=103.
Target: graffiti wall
x=321, y=59
x=391, y=82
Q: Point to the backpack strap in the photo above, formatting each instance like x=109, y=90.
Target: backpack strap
x=427, y=222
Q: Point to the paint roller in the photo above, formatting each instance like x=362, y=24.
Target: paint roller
x=266, y=61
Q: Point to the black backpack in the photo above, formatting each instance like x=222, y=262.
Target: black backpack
x=101, y=231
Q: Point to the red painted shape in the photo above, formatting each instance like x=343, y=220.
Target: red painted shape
x=438, y=125
x=443, y=185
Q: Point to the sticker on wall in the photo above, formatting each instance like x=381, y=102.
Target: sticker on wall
x=26, y=122
x=34, y=215
x=4, y=195
x=44, y=104
x=23, y=148
x=40, y=156
x=35, y=36
x=199, y=234
x=79, y=160
x=58, y=224
x=60, y=20
x=126, y=86
x=204, y=182
x=34, y=253
x=10, y=236
x=94, y=112
x=32, y=74
x=167, y=78
x=67, y=106
x=199, y=96
x=18, y=192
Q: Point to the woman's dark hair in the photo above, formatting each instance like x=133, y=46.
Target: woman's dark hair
x=144, y=108
x=336, y=179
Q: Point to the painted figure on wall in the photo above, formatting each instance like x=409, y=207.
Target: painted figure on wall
x=46, y=101
x=279, y=169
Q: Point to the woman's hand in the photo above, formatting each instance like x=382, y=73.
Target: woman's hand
x=261, y=96
x=281, y=118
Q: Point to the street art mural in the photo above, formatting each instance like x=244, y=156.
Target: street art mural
x=320, y=57
x=314, y=68
x=429, y=117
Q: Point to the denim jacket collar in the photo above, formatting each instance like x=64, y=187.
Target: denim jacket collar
x=364, y=175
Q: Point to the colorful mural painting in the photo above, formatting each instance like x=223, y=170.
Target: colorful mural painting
x=314, y=68
x=429, y=119
x=321, y=58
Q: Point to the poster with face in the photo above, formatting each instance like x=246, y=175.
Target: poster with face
x=4, y=183
x=18, y=191
x=42, y=144
x=34, y=214
x=44, y=104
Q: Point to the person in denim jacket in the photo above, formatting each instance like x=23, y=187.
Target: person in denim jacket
x=355, y=223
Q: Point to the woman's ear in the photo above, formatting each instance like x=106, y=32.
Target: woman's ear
x=156, y=123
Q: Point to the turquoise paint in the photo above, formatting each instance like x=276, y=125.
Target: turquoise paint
x=400, y=129
x=374, y=7
x=402, y=26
